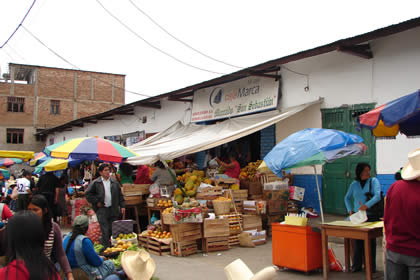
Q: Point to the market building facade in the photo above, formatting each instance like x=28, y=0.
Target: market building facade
x=338, y=82
x=34, y=98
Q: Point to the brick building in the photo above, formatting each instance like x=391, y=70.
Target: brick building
x=34, y=98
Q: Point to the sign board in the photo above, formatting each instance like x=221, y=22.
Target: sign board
x=244, y=96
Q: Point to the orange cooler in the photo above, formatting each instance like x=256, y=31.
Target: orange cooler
x=296, y=247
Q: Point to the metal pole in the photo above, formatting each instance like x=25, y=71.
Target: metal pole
x=319, y=195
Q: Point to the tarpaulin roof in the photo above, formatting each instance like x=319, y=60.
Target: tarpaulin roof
x=180, y=139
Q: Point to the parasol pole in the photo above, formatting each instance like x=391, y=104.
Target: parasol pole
x=319, y=195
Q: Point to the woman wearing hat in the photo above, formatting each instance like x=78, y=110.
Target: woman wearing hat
x=81, y=253
x=402, y=230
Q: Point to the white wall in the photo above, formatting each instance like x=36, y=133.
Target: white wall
x=344, y=79
x=157, y=120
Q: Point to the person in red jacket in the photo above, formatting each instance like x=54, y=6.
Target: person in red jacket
x=402, y=230
x=27, y=261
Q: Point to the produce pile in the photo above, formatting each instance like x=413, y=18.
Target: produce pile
x=117, y=261
x=121, y=246
x=123, y=236
x=98, y=248
x=164, y=203
x=250, y=171
x=158, y=234
x=191, y=182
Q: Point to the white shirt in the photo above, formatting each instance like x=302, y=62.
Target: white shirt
x=23, y=185
x=107, y=187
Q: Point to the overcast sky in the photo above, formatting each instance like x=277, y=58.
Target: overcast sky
x=240, y=33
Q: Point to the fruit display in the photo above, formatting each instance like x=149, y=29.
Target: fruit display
x=168, y=210
x=123, y=236
x=234, y=187
x=250, y=171
x=188, y=203
x=117, y=261
x=159, y=234
x=121, y=246
x=191, y=181
x=222, y=198
x=164, y=203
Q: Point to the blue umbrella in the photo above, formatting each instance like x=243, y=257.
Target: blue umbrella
x=313, y=146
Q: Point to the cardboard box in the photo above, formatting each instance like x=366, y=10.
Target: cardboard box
x=276, y=207
x=296, y=193
x=252, y=222
x=254, y=207
x=216, y=227
x=276, y=195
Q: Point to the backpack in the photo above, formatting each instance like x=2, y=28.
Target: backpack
x=375, y=212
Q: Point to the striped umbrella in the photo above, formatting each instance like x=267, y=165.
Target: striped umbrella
x=56, y=164
x=9, y=161
x=4, y=174
x=39, y=157
x=25, y=155
x=89, y=148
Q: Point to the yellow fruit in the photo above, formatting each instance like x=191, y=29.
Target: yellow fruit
x=193, y=178
x=179, y=199
x=177, y=191
x=191, y=193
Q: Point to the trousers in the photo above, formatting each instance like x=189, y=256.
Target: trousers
x=401, y=267
x=359, y=252
x=105, y=220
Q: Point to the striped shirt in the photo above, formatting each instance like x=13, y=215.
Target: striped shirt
x=49, y=243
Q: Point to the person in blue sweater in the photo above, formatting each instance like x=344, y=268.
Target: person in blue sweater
x=357, y=192
x=81, y=253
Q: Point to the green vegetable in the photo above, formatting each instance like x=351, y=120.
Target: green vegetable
x=98, y=247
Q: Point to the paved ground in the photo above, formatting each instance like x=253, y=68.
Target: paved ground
x=210, y=266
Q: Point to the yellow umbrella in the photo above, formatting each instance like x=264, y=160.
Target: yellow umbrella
x=25, y=155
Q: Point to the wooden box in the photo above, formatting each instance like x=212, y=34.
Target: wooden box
x=254, y=207
x=255, y=187
x=133, y=199
x=216, y=227
x=252, y=222
x=184, y=248
x=135, y=189
x=186, y=232
x=168, y=218
x=276, y=207
x=259, y=238
x=233, y=240
x=155, y=247
x=240, y=194
x=214, y=244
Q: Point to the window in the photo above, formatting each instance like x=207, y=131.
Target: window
x=14, y=136
x=15, y=104
x=55, y=107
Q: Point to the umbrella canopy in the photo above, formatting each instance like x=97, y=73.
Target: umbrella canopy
x=310, y=147
x=89, y=148
x=9, y=161
x=39, y=157
x=399, y=115
x=313, y=146
x=25, y=155
x=55, y=164
x=4, y=174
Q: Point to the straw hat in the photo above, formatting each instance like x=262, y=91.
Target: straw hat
x=138, y=265
x=412, y=169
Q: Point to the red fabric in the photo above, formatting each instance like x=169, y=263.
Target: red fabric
x=7, y=214
x=16, y=272
x=142, y=176
x=234, y=172
x=371, y=118
x=402, y=208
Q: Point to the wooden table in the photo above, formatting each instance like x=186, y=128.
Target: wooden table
x=349, y=233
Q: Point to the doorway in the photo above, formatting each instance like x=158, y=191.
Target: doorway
x=338, y=175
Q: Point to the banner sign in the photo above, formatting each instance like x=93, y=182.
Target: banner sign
x=244, y=96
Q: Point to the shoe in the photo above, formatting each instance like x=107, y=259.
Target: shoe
x=356, y=269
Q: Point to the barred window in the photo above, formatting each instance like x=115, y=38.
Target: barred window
x=15, y=104
x=55, y=107
x=14, y=136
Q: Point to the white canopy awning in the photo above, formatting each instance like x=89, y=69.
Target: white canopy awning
x=180, y=139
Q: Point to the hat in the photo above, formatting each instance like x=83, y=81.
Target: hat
x=81, y=221
x=412, y=169
x=11, y=182
x=138, y=265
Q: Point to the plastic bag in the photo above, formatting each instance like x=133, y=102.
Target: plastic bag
x=335, y=264
x=359, y=217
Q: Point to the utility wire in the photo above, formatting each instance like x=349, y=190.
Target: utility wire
x=179, y=40
x=20, y=24
x=155, y=47
x=75, y=66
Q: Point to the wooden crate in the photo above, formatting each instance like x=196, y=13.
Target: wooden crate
x=186, y=232
x=233, y=240
x=268, y=178
x=214, y=244
x=240, y=194
x=254, y=207
x=184, y=248
x=135, y=189
x=155, y=247
x=252, y=222
x=216, y=227
x=133, y=199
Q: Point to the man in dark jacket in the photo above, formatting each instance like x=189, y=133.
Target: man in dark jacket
x=104, y=193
